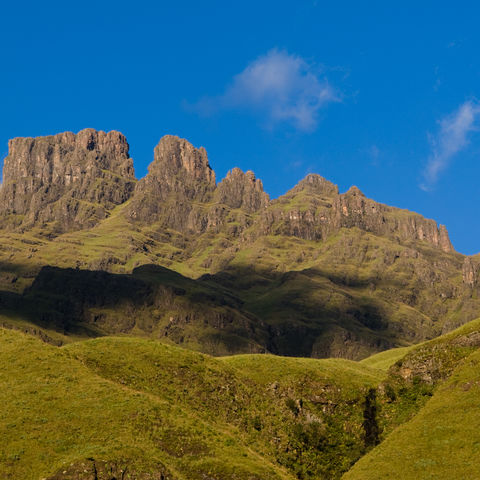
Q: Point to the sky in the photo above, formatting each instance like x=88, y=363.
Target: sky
x=381, y=95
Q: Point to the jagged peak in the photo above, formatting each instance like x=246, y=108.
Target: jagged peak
x=315, y=183
x=237, y=174
x=177, y=154
x=242, y=190
x=354, y=191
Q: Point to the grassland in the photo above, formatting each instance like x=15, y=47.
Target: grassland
x=150, y=407
x=144, y=408
x=441, y=442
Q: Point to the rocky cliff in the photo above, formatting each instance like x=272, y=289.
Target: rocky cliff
x=242, y=190
x=314, y=210
x=72, y=181
x=69, y=180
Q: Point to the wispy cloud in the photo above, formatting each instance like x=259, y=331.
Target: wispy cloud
x=452, y=137
x=280, y=87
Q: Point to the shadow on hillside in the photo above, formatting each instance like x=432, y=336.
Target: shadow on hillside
x=284, y=313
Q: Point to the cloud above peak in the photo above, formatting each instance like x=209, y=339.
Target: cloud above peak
x=278, y=86
x=452, y=138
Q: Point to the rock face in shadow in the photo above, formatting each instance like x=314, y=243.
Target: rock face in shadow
x=70, y=180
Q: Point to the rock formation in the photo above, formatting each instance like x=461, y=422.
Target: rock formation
x=178, y=177
x=242, y=190
x=471, y=269
x=70, y=180
x=314, y=209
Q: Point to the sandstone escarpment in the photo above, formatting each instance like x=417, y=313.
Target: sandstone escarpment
x=70, y=180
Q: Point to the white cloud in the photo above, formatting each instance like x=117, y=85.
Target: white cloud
x=281, y=87
x=451, y=139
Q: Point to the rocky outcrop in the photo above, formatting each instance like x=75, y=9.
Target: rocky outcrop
x=471, y=269
x=353, y=209
x=242, y=190
x=70, y=180
x=178, y=178
x=314, y=210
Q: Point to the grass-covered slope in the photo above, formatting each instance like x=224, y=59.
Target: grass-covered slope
x=150, y=409
x=146, y=409
x=57, y=414
x=441, y=442
x=427, y=410
x=347, y=294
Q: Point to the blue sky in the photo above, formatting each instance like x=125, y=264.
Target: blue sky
x=367, y=93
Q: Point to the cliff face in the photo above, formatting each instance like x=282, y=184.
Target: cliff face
x=242, y=190
x=71, y=180
x=178, y=179
x=314, y=209
x=180, y=192
x=471, y=271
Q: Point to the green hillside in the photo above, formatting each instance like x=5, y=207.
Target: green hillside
x=441, y=442
x=144, y=408
x=151, y=407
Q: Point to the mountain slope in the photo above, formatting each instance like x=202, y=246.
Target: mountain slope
x=313, y=273
x=441, y=442
x=154, y=409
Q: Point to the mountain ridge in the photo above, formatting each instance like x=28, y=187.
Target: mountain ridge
x=321, y=273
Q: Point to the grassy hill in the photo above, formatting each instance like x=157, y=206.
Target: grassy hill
x=146, y=409
x=441, y=442
x=149, y=408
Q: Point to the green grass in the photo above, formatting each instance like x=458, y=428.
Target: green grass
x=384, y=360
x=441, y=442
x=58, y=410
x=141, y=403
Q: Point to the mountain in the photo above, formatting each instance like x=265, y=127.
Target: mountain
x=218, y=267
x=138, y=319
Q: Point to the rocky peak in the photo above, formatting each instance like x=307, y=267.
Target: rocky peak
x=178, y=179
x=179, y=168
x=242, y=190
x=314, y=183
x=354, y=191
x=46, y=179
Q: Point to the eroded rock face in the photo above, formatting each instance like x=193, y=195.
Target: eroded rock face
x=471, y=268
x=71, y=180
x=314, y=209
x=242, y=190
x=178, y=177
